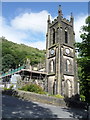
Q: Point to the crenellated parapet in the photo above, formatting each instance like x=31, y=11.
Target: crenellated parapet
x=60, y=19
x=66, y=21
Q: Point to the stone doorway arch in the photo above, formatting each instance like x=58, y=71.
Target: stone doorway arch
x=68, y=88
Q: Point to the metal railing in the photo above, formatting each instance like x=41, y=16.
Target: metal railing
x=11, y=72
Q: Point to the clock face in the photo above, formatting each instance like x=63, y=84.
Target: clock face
x=52, y=51
x=67, y=51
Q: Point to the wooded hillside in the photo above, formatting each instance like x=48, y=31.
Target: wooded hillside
x=14, y=55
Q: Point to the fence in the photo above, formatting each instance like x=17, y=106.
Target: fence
x=12, y=72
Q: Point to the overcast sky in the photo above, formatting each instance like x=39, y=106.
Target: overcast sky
x=26, y=22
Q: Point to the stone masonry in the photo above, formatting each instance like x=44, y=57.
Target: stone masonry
x=60, y=56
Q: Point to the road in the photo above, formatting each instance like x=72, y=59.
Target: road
x=13, y=107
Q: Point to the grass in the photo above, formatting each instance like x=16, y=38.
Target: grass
x=57, y=96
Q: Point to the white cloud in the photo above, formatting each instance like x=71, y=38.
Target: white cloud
x=39, y=44
x=31, y=21
x=10, y=33
x=30, y=28
x=79, y=22
x=27, y=28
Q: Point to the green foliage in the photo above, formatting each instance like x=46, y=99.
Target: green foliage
x=84, y=61
x=57, y=96
x=8, y=62
x=14, y=54
x=82, y=98
x=33, y=88
x=11, y=87
x=37, y=89
x=6, y=89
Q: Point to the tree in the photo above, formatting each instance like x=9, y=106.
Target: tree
x=14, y=55
x=8, y=62
x=84, y=60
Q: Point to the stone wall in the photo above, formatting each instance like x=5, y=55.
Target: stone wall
x=40, y=98
x=30, y=96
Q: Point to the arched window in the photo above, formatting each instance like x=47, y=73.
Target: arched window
x=68, y=65
x=66, y=36
x=60, y=28
x=52, y=66
x=53, y=36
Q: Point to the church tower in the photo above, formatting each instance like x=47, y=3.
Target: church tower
x=60, y=56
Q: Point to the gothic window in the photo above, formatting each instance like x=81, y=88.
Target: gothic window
x=68, y=65
x=60, y=28
x=53, y=36
x=66, y=36
x=57, y=35
x=52, y=66
x=63, y=88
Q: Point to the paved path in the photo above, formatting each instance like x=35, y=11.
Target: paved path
x=16, y=108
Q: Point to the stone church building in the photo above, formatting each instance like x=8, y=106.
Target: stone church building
x=60, y=74
x=60, y=56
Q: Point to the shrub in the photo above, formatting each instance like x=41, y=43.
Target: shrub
x=33, y=88
x=6, y=88
x=82, y=98
x=11, y=87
